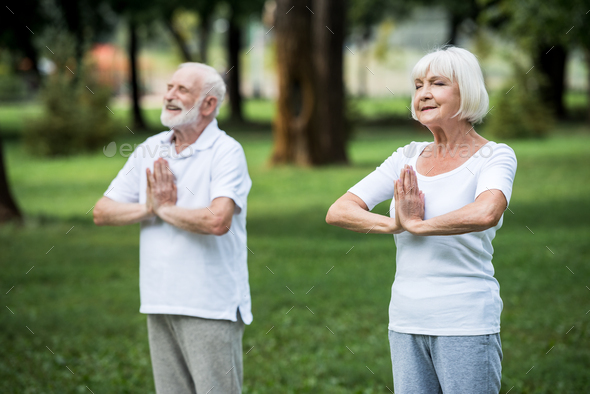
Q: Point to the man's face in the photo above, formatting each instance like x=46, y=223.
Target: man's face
x=181, y=104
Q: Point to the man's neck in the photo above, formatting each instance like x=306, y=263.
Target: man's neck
x=186, y=135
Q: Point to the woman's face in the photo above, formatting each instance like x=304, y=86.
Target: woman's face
x=436, y=99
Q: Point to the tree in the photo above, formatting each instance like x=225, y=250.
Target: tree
x=137, y=13
x=177, y=35
x=547, y=31
x=310, y=127
x=134, y=79
x=362, y=17
x=8, y=209
x=19, y=23
x=234, y=44
x=239, y=11
x=204, y=9
x=328, y=43
x=460, y=11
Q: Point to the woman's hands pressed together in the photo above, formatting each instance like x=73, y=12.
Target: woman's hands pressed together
x=409, y=200
x=161, y=189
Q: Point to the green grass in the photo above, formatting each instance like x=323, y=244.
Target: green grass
x=81, y=299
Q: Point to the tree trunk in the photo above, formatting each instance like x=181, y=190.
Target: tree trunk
x=552, y=63
x=234, y=37
x=329, y=142
x=295, y=105
x=588, y=76
x=138, y=121
x=186, y=55
x=310, y=128
x=454, y=22
x=8, y=209
x=204, y=29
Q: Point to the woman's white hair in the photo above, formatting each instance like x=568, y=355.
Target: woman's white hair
x=461, y=65
x=213, y=84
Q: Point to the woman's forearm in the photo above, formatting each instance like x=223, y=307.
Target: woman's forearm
x=349, y=215
x=471, y=218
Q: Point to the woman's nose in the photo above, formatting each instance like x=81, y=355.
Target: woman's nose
x=425, y=92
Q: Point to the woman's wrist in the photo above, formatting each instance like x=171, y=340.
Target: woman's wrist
x=394, y=226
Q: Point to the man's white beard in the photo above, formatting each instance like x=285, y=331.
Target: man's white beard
x=186, y=116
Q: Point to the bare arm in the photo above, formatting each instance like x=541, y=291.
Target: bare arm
x=215, y=219
x=485, y=212
x=480, y=215
x=108, y=212
x=351, y=212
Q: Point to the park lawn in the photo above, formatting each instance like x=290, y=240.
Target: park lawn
x=320, y=294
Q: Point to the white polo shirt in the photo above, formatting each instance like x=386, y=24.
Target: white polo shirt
x=444, y=285
x=184, y=273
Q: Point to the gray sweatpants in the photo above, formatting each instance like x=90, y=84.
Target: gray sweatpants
x=193, y=355
x=424, y=364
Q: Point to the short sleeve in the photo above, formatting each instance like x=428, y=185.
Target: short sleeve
x=229, y=176
x=498, y=172
x=378, y=186
x=125, y=186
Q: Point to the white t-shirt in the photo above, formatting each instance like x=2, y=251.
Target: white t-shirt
x=184, y=273
x=444, y=285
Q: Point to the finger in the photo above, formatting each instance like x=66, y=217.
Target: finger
x=159, y=176
x=407, y=180
x=151, y=179
x=148, y=174
x=414, y=182
x=168, y=176
x=402, y=177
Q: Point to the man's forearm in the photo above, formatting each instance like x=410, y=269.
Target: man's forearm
x=112, y=213
x=201, y=220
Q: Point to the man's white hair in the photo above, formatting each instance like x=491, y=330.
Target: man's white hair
x=461, y=65
x=213, y=84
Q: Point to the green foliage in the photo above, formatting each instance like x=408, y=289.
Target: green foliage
x=76, y=118
x=518, y=112
x=12, y=87
x=533, y=22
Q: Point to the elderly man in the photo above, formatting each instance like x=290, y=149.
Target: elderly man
x=192, y=209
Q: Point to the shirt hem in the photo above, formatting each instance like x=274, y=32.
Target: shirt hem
x=171, y=310
x=444, y=332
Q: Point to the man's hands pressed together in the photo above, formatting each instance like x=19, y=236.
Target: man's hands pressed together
x=161, y=198
x=161, y=188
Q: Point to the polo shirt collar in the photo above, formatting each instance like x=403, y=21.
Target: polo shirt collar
x=203, y=142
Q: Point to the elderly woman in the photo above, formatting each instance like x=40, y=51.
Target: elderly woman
x=449, y=197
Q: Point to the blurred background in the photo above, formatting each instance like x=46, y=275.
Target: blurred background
x=318, y=95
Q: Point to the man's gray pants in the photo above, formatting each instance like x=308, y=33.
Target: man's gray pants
x=425, y=364
x=193, y=355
